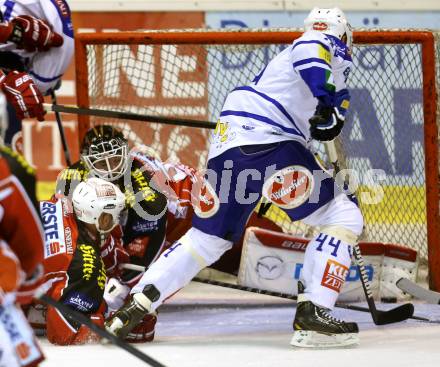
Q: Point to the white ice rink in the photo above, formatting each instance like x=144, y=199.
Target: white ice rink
x=208, y=326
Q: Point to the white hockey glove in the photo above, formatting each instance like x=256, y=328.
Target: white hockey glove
x=115, y=294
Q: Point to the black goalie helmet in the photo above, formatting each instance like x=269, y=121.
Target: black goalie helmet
x=104, y=151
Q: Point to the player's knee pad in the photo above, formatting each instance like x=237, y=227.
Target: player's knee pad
x=204, y=247
x=339, y=213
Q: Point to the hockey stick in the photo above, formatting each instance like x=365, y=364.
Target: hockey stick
x=291, y=297
x=84, y=320
x=417, y=291
x=397, y=314
x=264, y=206
x=61, y=130
x=128, y=116
x=263, y=291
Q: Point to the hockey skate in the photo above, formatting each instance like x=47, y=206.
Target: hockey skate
x=131, y=314
x=314, y=327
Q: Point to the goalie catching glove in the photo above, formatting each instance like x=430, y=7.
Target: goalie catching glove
x=21, y=91
x=30, y=33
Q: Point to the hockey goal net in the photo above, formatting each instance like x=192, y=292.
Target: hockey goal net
x=392, y=125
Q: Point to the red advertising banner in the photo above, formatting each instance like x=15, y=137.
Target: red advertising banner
x=42, y=144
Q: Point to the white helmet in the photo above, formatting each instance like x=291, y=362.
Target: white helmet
x=330, y=21
x=95, y=196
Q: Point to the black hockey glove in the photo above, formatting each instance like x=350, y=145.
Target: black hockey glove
x=326, y=124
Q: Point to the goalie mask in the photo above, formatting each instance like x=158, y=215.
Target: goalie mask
x=104, y=151
x=98, y=202
x=330, y=21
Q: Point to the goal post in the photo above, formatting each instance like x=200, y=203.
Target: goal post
x=392, y=124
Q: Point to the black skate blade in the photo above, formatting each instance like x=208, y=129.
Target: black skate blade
x=397, y=314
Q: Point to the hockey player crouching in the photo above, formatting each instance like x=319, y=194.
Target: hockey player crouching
x=75, y=270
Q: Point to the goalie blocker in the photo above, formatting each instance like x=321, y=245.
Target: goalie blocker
x=273, y=261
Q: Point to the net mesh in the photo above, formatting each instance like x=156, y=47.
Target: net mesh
x=384, y=128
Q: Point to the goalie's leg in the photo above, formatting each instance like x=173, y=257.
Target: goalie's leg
x=326, y=265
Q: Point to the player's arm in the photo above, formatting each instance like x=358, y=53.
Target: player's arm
x=145, y=194
x=30, y=33
x=20, y=225
x=312, y=60
x=48, y=67
x=68, y=179
x=113, y=253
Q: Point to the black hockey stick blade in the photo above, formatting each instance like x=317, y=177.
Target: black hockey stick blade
x=84, y=320
x=397, y=314
x=417, y=291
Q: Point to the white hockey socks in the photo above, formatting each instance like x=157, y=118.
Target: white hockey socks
x=326, y=264
x=181, y=262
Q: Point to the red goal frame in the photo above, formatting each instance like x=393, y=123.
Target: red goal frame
x=430, y=94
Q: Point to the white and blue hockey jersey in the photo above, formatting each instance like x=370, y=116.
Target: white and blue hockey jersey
x=281, y=99
x=46, y=68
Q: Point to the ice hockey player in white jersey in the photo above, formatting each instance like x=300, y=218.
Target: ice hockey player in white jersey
x=36, y=37
x=260, y=148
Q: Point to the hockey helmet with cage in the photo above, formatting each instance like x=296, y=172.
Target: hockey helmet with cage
x=94, y=197
x=330, y=21
x=104, y=151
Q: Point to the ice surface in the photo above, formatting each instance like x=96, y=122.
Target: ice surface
x=208, y=326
